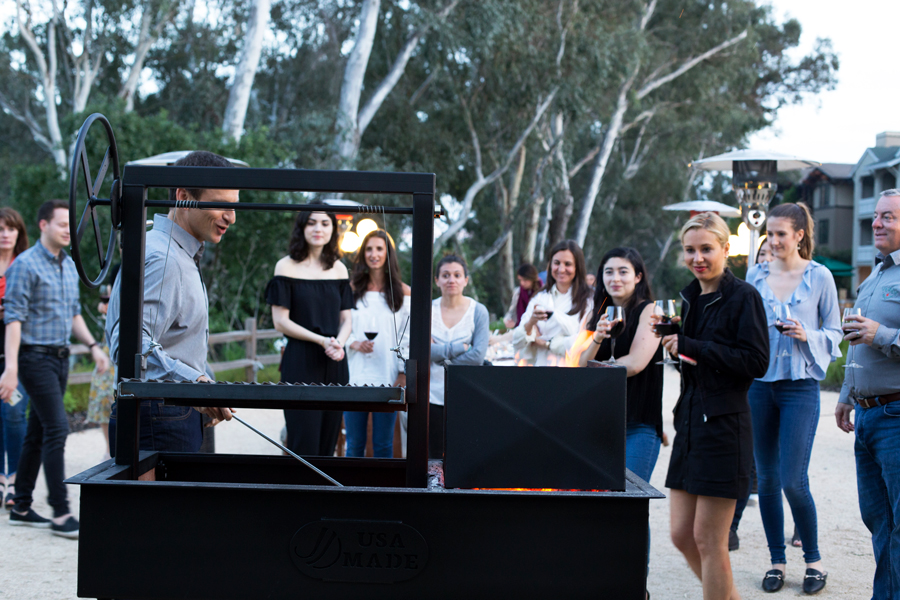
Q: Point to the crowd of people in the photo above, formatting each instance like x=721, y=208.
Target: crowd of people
x=750, y=353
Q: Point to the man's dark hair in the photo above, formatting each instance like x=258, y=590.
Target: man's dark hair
x=198, y=158
x=45, y=212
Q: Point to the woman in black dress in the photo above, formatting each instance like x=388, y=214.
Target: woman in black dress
x=311, y=301
x=724, y=345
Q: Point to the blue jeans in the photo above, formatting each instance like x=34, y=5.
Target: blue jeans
x=878, y=482
x=48, y=427
x=356, y=424
x=641, y=449
x=12, y=430
x=163, y=428
x=785, y=416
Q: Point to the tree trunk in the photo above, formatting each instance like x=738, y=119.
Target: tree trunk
x=239, y=95
x=531, y=230
x=347, y=134
x=149, y=33
x=562, y=212
x=507, y=260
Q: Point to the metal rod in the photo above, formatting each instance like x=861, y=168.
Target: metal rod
x=328, y=208
x=305, y=462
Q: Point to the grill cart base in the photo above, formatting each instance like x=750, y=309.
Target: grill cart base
x=236, y=526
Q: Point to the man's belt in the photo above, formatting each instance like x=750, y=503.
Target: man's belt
x=57, y=351
x=878, y=400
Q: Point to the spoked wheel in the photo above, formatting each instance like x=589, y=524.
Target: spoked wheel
x=81, y=170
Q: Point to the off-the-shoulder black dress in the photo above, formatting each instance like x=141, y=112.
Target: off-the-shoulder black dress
x=316, y=305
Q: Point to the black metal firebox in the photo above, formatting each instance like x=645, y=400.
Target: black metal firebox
x=177, y=525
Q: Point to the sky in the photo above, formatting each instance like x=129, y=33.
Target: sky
x=838, y=125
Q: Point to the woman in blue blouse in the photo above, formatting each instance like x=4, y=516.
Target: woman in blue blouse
x=785, y=403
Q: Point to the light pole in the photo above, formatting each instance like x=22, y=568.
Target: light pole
x=754, y=183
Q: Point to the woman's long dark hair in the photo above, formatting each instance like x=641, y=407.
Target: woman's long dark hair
x=14, y=220
x=581, y=291
x=641, y=288
x=299, y=249
x=359, y=277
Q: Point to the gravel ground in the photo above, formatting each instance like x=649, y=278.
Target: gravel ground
x=37, y=565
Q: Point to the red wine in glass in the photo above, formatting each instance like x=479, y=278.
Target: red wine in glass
x=617, y=329
x=780, y=327
x=549, y=314
x=371, y=335
x=666, y=327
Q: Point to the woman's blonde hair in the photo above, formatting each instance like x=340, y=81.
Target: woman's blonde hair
x=710, y=222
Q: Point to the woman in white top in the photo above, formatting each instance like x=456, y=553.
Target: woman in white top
x=553, y=317
x=381, y=308
x=460, y=328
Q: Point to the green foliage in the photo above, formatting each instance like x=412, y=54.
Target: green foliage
x=77, y=398
x=834, y=376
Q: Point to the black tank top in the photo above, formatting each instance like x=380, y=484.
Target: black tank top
x=644, y=390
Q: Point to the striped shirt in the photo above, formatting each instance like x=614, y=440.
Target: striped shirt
x=42, y=294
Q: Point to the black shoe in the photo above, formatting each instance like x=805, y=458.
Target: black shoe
x=29, y=519
x=774, y=581
x=9, y=502
x=69, y=528
x=814, y=581
x=734, y=542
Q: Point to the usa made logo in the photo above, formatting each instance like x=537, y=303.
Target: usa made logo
x=359, y=551
x=890, y=292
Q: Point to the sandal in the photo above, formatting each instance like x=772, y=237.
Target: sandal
x=796, y=542
x=773, y=581
x=814, y=581
x=10, y=495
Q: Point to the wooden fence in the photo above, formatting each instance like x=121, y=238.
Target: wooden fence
x=250, y=336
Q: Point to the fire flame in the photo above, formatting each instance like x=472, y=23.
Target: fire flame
x=581, y=344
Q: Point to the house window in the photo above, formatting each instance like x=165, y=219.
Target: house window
x=888, y=181
x=865, y=232
x=827, y=195
x=822, y=232
x=868, y=187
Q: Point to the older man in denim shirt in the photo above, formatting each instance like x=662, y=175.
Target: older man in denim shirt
x=873, y=391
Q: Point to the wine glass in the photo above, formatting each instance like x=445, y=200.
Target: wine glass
x=782, y=316
x=371, y=332
x=615, y=315
x=665, y=310
x=848, y=314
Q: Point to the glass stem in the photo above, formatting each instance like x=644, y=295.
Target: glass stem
x=612, y=350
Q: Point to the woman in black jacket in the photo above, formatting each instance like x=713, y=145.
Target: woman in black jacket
x=724, y=345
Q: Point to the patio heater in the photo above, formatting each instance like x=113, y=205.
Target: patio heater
x=754, y=183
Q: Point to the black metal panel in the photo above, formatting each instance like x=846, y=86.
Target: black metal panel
x=156, y=539
x=280, y=179
x=535, y=427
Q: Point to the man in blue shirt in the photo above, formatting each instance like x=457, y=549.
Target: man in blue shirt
x=42, y=311
x=873, y=392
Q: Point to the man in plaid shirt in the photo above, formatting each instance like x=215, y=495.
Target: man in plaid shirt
x=42, y=311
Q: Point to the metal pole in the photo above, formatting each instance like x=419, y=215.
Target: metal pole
x=131, y=316
x=300, y=458
x=418, y=383
x=754, y=243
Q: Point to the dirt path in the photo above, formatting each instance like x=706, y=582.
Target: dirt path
x=39, y=566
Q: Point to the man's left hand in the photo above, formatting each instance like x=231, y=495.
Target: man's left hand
x=100, y=359
x=860, y=330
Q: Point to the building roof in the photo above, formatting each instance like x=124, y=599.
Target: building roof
x=883, y=156
x=830, y=170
